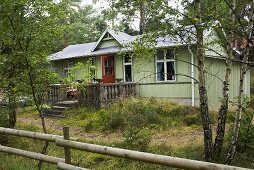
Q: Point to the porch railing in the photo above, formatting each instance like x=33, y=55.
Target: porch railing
x=57, y=92
x=100, y=95
x=97, y=95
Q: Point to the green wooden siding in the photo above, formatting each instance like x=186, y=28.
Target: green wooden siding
x=108, y=43
x=144, y=74
x=118, y=61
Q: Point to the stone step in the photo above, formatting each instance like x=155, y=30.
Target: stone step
x=57, y=110
x=60, y=108
x=69, y=103
x=53, y=115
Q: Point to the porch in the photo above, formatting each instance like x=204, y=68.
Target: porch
x=96, y=95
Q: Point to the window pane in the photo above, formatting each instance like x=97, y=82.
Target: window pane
x=170, y=71
x=108, y=71
x=105, y=63
x=110, y=62
x=160, y=71
x=128, y=75
x=65, y=64
x=127, y=59
x=160, y=54
x=170, y=54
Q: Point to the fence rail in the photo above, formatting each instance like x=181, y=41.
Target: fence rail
x=100, y=95
x=97, y=95
x=115, y=152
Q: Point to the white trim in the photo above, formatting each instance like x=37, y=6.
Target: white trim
x=67, y=63
x=125, y=64
x=164, y=61
x=192, y=79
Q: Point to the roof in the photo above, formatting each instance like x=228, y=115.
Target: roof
x=89, y=49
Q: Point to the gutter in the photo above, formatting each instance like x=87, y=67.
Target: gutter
x=192, y=80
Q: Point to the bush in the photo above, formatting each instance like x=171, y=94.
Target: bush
x=137, y=138
x=3, y=123
x=246, y=133
x=134, y=112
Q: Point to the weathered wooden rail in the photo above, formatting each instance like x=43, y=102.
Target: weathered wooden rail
x=57, y=92
x=100, y=95
x=116, y=152
x=97, y=95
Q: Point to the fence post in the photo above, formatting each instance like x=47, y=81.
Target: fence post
x=67, y=150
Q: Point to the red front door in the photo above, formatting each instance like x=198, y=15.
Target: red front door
x=108, y=75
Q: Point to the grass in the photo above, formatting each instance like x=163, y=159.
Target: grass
x=175, y=130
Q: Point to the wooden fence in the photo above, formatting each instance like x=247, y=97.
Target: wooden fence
x=68, y=144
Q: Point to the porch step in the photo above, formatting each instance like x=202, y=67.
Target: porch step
x=69, y=103
x=58, y=109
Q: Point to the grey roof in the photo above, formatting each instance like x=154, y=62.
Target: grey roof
x=88, y=49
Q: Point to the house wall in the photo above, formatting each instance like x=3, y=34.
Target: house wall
x=178, y=90
x=216, y=73
x=181, y=89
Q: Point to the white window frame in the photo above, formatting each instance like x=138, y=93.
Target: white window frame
x=125, y=64
x=164, y=61
x=69, y=64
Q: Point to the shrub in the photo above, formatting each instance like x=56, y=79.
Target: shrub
x=193, y=119
x=137, y=138
x=246, y=133
x=134, y=112
x=3, y=123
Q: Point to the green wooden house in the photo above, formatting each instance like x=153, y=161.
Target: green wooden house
x=170, y=74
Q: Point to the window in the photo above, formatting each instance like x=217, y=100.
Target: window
x=67, y=64
x=165, y=65
x=127, y=68
x=108, y=66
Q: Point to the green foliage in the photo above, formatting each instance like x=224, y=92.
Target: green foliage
x=137, y=138
x=136, y=113
x=4, y=122
x=83, y=24
x=127, y=10
x=86, y=70
x=246, y=132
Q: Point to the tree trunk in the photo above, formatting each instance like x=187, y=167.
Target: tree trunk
x=222, y=115
x=244, y=68
x=142, y=17
x=12, y=104
x=206, y=122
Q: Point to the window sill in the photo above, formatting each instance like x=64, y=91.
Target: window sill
x=165, y=82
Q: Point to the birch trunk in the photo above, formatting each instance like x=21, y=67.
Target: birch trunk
x=202, y=88
x=244, y=67
x=223, y=110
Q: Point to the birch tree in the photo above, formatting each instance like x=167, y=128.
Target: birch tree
x=244, y=67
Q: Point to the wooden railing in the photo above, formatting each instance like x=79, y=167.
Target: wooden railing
x=69, y=145
x=97, y=95
x=100, y=95
x=57, y=92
